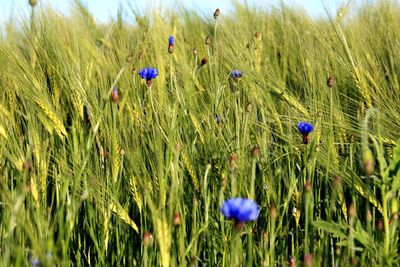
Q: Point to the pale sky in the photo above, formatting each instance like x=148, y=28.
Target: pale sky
x=103, y=10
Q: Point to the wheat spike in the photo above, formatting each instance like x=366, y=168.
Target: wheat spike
x=135, y=194
x=191, y=171
x=123, y=215
x=34, y=191
x=164, y=240
x=57, y=124
x=3, y=132
x=343, y=204
x=106, y=226
x=197, y=127
x=116, y=164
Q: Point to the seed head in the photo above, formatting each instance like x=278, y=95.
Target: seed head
x=194, y=51
x=257, y=35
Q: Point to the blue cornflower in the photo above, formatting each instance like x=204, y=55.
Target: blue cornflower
x=240, y=209
x=148, y=74
x=34, y=260
x=236, y=74
x=305, y=128
x=171, y=43
x=171, y=40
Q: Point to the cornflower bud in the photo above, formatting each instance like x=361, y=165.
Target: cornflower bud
x=207, y=41
x=330, y=81
x=217, y=13
x=33, y=2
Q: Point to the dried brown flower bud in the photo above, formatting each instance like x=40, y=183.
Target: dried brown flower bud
x=149, y=83
x=217, y=13
x=308, y=186
x=308, y=260
x=338, y=251
x=27, y=165
x=351, y=210
x=115, y=95
x=368, y=161
x=257, y=35
x=233, y=161
x=249, y=107
x=177, y=219
x=369, y=215
x=354, y=261
x=337, y=182
x=273, y=212
x=330, y=81
x=147, y=238
x=255, y=152
x=239, y=226
x=204, y=61
x=380, y=225
x=292, y=262
x=194, y=51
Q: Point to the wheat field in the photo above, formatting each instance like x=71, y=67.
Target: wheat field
x=100, y=167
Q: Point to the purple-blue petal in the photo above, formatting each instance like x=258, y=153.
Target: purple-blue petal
x=305, y=127
x=148, y=73
x=240, y=209
x=236, y=74
x=171, y=40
